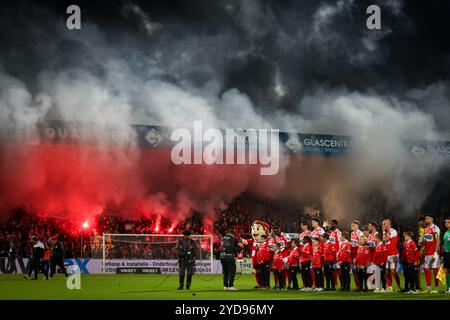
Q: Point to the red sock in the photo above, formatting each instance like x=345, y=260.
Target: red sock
x=436, y=280
x=396, y=277
x=428, y=276
x=389, y=278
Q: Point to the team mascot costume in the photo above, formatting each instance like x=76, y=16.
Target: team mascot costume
x=258, y=229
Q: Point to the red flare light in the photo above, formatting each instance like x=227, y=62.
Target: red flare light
x=85, y=225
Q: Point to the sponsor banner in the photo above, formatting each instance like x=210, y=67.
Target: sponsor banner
x=154, y=137
x=21, y=265
x=138, y=270
x=151, y=137
x=423, y=149
x=244, y=266
x=95, y=266
x=316, y=144
x=165, y=266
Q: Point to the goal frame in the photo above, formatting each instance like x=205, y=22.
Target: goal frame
x=197, y=236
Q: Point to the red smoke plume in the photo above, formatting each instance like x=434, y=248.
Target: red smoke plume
x=80, y=181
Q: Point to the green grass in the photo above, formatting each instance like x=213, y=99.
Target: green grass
x=155, y=287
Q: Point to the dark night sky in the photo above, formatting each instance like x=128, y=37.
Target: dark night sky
x=244, y=47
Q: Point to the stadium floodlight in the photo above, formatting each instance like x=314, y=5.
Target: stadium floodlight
x=152, y=252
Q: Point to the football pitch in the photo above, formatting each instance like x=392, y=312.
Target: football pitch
x=163, y=287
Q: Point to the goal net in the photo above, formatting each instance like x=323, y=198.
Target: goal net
x=151, y=253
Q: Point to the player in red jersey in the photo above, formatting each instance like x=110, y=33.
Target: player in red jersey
x=390, y=238
x=317, y=263
x=371, y=232
x=277, y=265
x=304, y=231
x=272, y=241
x=379, y=258
x=365, y=230
x=329, y=258
x=294, y=262
x=264, y=256
x=318, y=233
x=335, y=235
x=361, y=263
x=305, y=262
x=344, y=260
x=411, y=253
x=431, y=239
x=284, y=241
x=304, y=228
x=317, y=229
x=354, y=238
x=373, y=226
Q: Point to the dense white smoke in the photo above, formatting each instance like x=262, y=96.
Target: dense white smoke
x=169, y=78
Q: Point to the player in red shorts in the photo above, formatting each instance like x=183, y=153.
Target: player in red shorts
x=431, y=239
x=354, y=238
x=317, y=263
x=390, y=238
x=344, y=259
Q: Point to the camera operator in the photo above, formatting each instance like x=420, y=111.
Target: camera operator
x=227, y=258
x=187, y=251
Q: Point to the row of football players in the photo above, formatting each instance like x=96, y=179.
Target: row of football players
x=320, y=258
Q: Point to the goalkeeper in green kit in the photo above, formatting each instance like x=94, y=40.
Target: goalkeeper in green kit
x=445, y=253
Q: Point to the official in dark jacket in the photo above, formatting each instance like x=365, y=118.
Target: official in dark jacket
x=187, y=251
x=229, y=249
x=37, y=253
x=12, y=255
x=57, y=259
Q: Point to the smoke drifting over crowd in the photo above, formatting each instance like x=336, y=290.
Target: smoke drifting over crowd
x=309, y=66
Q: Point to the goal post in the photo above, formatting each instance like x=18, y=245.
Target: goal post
x=155, y=251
